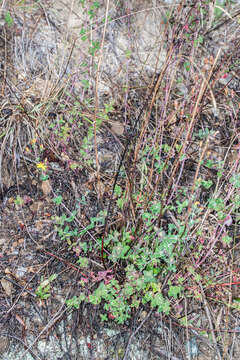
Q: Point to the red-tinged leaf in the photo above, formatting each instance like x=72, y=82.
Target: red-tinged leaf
x=228, y=220
x=111, y=316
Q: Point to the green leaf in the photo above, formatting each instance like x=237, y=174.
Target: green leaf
x=83, y=261
x=206, y=184
x=216, y=204
x=218, y=11
x=74, y=166
x=162, y=304
x=57, y=200
x=82, y=31
x=44, y=177
x=85, y=83
x=209, y=164
x=120, y=203
x=226, y=239
x=72, y=217
x=187, y=65
x=174, y=291
x=52, y=277
x=103, y=317
x=8, y=19
x=19, y=200
x=75, y=301
x=235, y=180
x=149, y=277
x=118, y=190
x=128, y=53
x=181, y=206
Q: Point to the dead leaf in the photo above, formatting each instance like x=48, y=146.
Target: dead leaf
x=31, y=269
x=40, y=88
x=36, y=206
x=7, y=286
x=46, y=187
x=117, y=128
x=39, y=225
x=143, y=315
x=64, y=157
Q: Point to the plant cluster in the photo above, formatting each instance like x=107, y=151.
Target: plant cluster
x=169, y=219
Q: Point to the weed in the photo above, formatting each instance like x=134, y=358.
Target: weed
x=43, y=290
x=8, y=19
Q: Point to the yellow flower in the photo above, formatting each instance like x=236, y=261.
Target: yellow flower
x=42, y=166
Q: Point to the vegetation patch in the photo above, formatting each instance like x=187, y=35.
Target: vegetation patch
x=124, y=171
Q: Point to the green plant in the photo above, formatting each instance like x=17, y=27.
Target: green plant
x=145, y=264
x=8, y=19
x=63, y=230
x=19, y=200
x=43, y=290
x=168, y=205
